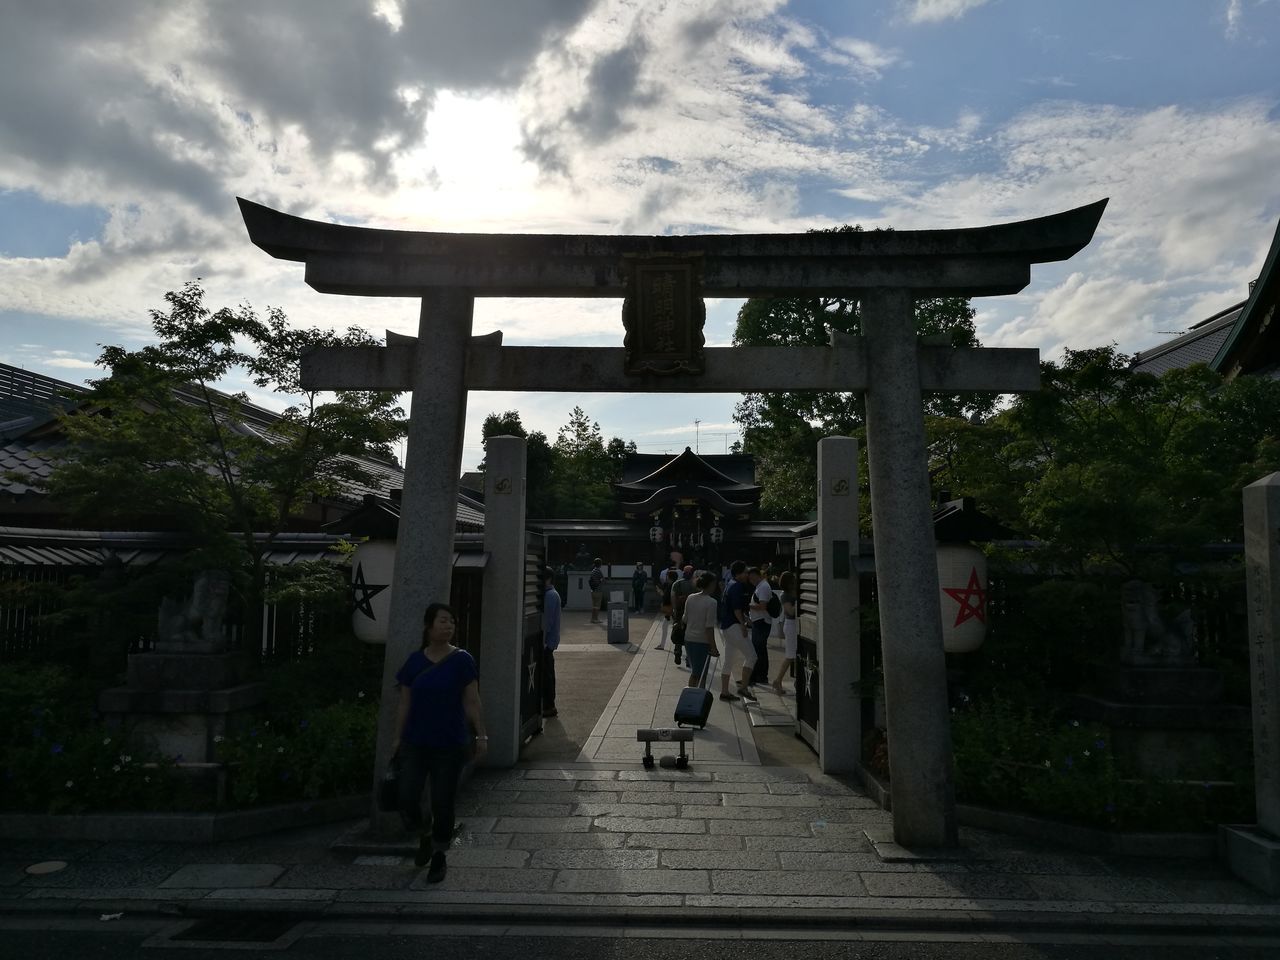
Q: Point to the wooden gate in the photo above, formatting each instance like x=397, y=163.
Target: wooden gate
x=807, y=699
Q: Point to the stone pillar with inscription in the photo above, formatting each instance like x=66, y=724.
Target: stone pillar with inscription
x=1254, y=850
x=502, y=670
x=839, y=641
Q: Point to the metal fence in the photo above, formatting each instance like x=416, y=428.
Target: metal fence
x=33, y=624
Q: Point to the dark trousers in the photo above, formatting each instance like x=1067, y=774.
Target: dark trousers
x=637, y=599
x=760, y=630
x=441, y=766
x=548, y=679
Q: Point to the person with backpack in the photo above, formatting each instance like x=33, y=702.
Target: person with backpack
x=762, y=602
x=639, y=580
x=680, y=592
x=596, y=582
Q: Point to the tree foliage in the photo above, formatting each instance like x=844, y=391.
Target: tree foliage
x=570, y=478
x=1121, y=469
x=158, y=445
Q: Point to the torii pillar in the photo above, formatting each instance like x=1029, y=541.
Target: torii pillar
x=664, y=280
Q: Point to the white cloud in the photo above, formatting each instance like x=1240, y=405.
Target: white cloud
x=71, y=363
x=935, y=11
x=1234, y=12
x=870, y=59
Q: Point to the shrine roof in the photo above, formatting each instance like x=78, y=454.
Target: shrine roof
x=378, y=517
x=723, y=472
x=1252, y=345
x=1200, y=344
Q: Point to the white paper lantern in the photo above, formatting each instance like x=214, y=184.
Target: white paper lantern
x=372, y=567
x=962, y=582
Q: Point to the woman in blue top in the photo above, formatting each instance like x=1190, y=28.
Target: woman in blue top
x=438, y=712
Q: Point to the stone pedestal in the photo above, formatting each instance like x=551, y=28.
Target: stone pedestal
x=180, y=722
x=1167, y=722
x=189, y=689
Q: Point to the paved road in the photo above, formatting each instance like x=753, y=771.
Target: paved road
x=341, y=941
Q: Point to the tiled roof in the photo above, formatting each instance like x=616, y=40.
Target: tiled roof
x=32, y=399
x=89, y=548
x=1198, y=345
x=28, y=399
x=379, y=516
x=26, y=457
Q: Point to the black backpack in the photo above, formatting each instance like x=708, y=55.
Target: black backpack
x=773, y=606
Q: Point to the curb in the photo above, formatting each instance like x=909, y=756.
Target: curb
x=182, y=827
x=799, y=919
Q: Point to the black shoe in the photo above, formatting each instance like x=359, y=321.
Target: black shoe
x=438, y=867
x=728, y=697
x=424, y=850
x=746, y=694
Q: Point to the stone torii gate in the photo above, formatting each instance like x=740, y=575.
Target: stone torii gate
x=664, y=280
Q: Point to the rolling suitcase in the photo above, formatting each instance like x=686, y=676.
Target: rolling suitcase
x=694, y=705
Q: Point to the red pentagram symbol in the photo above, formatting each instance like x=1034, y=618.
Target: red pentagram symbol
x=972, y=599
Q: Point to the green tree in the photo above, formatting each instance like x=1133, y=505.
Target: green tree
x=1119, y=469
x=782, y=429
x=156, y=445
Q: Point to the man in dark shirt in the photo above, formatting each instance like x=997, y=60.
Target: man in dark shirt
x=735, y=633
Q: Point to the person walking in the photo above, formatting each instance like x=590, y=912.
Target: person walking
x=761, y=623
x=639, y=580
x=439, y=728
x=790, y=628
x=680, y=592
x=596, y=582
x=700, y=612
x=735, y=634
x=550, y=640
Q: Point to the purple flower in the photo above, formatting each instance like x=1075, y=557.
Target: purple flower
x=253, y=733
x=303, y=725
x=57, y=748
x=1100, y=744
x=1068, y=763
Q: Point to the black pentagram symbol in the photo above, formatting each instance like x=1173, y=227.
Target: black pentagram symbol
x=363, y=593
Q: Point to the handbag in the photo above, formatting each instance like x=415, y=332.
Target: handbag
x=389, y=785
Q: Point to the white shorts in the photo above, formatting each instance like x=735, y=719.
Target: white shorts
x=790, y=638
x=736, y=646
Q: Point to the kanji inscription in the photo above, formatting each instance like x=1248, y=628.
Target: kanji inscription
x=663, y=314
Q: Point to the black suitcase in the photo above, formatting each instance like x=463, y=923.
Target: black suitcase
x=694, y=705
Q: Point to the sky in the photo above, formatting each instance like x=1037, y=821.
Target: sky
x=128, y=129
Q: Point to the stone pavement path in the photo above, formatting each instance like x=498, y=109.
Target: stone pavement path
x=582, y=838
x=600, y=838
x=646, y=697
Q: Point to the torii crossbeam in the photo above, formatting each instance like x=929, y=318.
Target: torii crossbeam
x=664, y=279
